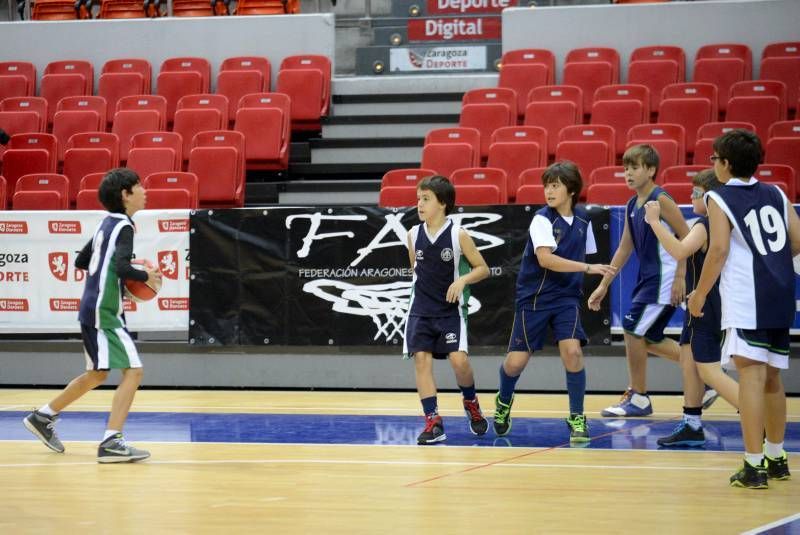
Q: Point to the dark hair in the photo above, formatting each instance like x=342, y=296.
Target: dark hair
x=568, y=174
x=442, y=188
x=706, y=179
x=110, y=191
x=644, y=155
x=742, y=149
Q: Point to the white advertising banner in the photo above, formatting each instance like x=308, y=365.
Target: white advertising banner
x=442, y=58
x=40, y=288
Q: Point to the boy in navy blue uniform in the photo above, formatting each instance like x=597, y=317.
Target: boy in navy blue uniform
x=549, y=293
x=445, y=262
x=755, y=233
x=106, y=341
x=701, y=337
x=660, y=284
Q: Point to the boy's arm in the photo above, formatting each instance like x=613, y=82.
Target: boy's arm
x=674, y=218
x=123, y=254
x=794, y=229
x=621, y=256
x=85, y=256
x=479, y=269
x=678, y=249
x=718, y=248
x=549, y=260
x=412, y=258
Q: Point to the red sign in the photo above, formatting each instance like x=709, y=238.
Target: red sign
x=450, y=7
x=173, y=303
x=128, y=305
x=173, y=225
x=13, y=305
x=13, y=227
x=65, y=305
x=168, y=264
x=58, y=262
x=454, y=29
x=64, y=227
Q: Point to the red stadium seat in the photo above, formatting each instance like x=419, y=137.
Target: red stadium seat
x=782, y=150
x=681, y=174
x=786, y=70
x=785, y=129
x=136, y=114
x=94, y=152
x=3, y=194
x=153, y=152
x=723, y=73
x=13, y=86
x=532, y=56
x=264, y=119
x=176, y=180
x=37, y=200
x=530, y=194
x=590, y=68
x=493, y=95
x=681, y=193
x=91, y=181
x=513, y=158
x=67, y=123
x=37, y=140
x=690, y=105
x=522, y=79
x=760, y=111
x=397, y=196
x=532, y=176
x=621, y=106
x=612, y=174
x=703, y=150
x=168, y=199
x=444, y=158
x=182, y=76
x=478, y=195
x=217, y=158
x=481, y=176
x=669, y=152
x=715, y=129
x=782, y=49
x=661, y=131
x=65, y=79
x=307, y=81
x=405, y=177
x=726, y=51
x=523, y=134
x=37, y=105
x=20, y=162
x=609, y=194
x=587, y=155
x=657, y=67
x=779, y=173
x=553, y=108
x=115, y=85
x=470, y=136
x=486, y=118
x=240, y=76
x=88, y=200
x=199, y=113
x=131, y=65
x=29, y=185
x=24, y=69
x=762, y=88
x=597, y=132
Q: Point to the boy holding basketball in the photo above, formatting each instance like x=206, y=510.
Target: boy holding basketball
x=106, y=341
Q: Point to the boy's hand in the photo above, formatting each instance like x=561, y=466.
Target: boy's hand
x=652, y=212
x=678, y=291
x=696, y=304
x=597, y=297
x=153, y=275
x=454, y=291
x=601, y=269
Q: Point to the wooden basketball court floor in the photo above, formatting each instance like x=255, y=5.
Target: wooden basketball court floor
x=334, y=462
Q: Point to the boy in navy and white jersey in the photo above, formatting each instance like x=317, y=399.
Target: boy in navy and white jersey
x=660, y=284
x=549, y=293
x=755, y=232
x=700, y=337
x=441, y=254
x=106, y=341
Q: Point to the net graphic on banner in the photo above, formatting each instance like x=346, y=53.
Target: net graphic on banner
x=385, y=304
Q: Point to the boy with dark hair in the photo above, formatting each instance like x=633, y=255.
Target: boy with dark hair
x=549, y=292
x=106, y=341
x=441, y=254
x=701, y=337
x=755, y=234
x=660, y=284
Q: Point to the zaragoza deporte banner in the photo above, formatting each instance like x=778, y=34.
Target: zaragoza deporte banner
x=341, y=276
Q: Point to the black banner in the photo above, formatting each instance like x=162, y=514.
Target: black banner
x=341, y=275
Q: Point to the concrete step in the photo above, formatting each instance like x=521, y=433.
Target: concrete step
x=400, y=126
x=374, y=150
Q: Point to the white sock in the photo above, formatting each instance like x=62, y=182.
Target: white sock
x=47, y=410
x=754, y=459
x=773, y=451
x=693, y=420
x=109, y=433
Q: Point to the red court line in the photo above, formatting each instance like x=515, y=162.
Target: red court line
x=523, y=455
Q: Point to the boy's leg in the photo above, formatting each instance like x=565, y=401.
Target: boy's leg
x=572, y=357
x=775, y=423
x=426, y=388
x=465, y=378
x=635, y=401
x=711, y=373
x=666, y=348
x=689, y=431
x=123, y=398
x=77, y=388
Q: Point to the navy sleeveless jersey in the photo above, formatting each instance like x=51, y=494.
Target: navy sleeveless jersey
x=438, y=264
x=656, y=266
x=757, y=280
x=101, y=304
x=712, y=309
x=539, y=288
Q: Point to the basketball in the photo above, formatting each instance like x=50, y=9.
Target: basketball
x=141, y=291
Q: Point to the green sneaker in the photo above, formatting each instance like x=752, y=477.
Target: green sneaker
x=578, y=428
x=750, y=477
x=778, y=468
x=502, y=416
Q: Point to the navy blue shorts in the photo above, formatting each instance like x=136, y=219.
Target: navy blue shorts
x=107, y=349
x=770, y=346
x=530, y=327
x=647, y=320
x=706, y=344
x=440, y=336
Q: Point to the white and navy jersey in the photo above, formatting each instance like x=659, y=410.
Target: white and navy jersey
x=438, y=263
x=101, y=304
x=757, y=280
x=656, y=266
x=568, y=237
x=710, y=320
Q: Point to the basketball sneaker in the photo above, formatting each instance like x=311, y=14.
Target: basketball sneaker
x=709, y=397
x=114, y=449
x=630, y=404
x=750, y=477
x=578, y=428
x=502, y=416
x=778, y=468
x=44, y=427
x=477, y=423
x=684, y=435
x=433, y=432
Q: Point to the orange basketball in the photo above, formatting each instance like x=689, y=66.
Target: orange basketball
x=141, y=291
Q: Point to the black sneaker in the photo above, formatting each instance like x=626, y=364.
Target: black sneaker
x=43, y=426
x=750, y=477
x=114, y=449
x=778, y=468
x=502, y=416
x=433, y=432
x=684, y=436
x=477, y=423
x=578, y=428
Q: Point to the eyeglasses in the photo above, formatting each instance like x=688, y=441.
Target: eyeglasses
x=697, y=193
x=714, y=158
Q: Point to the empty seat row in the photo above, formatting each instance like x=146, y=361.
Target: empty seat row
x=134, y=9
